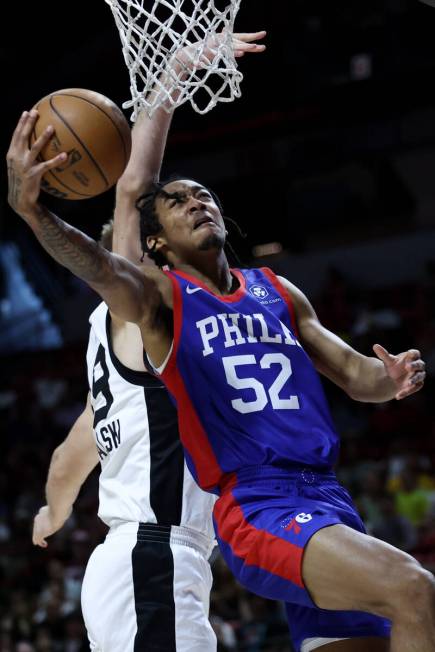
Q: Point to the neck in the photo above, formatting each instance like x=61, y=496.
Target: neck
x=213, y=271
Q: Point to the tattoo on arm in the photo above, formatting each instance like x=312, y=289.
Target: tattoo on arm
x=14, y=186
x=70, y=247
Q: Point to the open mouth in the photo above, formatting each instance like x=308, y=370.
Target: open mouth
x=201, y=221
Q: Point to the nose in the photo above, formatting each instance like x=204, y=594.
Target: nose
x=195, y=205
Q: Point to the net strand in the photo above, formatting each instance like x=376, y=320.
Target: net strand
x=178, y=51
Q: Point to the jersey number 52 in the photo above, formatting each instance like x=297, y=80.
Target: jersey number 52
x=273, y=392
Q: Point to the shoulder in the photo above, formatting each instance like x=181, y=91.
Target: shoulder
x=302, y=305
x=156, y=284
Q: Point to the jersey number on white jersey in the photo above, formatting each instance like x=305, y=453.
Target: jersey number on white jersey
x=101, y=385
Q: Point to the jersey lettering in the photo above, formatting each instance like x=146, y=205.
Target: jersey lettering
x=108, y=438
x=240, y=329
x=230, y=329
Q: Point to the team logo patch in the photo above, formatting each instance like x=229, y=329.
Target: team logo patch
x=303, y=518
x=258, y=291
x=295, y=523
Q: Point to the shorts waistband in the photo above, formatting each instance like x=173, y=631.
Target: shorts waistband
x=176, y=534
x=295, y=474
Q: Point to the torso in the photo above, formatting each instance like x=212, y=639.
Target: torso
x=247, y=392
x=143, y=474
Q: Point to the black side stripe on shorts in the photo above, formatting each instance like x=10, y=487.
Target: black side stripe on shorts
x=167, y=459
x=153, y=581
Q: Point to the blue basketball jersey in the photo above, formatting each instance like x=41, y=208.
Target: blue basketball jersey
x=247, y=393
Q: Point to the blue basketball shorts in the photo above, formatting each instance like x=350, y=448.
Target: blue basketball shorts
x=263, y=519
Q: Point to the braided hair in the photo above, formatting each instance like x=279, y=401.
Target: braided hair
x=150, y=224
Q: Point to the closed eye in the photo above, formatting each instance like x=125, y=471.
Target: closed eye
x=203, y=194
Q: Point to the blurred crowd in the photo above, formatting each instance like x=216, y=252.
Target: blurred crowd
x=387, y=462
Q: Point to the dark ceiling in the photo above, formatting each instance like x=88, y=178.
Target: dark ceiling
x=304, y=129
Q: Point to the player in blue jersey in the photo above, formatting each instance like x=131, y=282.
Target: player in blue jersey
x=240, y=351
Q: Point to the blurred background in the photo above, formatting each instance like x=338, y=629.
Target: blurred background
x=328, y=163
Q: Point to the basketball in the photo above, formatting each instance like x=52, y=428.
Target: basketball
x=95, y=135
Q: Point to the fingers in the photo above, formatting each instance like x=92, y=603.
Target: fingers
x=42, y=168
x=243, y=42
x=37, y=538
x=41, y=142
x=16, y=136
x=240, y=46
x=416, y=369
x=410, y=390
x=25, y=127
x=247, y=37
x=252, y=48
x=37, y=148
x=418, y=378
x=413, y=383
x=19, y=148
x=383, y=354
x=40, y=542
x=413, y=354
x=416, y=365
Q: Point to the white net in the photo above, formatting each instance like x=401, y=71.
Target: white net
x=178, y=51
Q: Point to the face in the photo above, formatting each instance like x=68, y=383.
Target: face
x=191, y=221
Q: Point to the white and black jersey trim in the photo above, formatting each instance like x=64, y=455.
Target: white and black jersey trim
x=154, y=591
x=166, y=452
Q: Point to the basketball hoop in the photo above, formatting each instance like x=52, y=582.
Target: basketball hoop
x=178, y=51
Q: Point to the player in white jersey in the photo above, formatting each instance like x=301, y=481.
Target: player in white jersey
x=147, y=587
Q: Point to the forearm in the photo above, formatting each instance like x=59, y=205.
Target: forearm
x=62, y=488
x=149, y=136
x=119, y=283
x=67, y=245
x=369, y=381
x=143, y=169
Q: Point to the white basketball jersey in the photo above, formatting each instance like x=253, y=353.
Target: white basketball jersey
x=143, y=474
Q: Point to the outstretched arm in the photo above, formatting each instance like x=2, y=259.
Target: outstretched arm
x=130, y=293
x=70, y=465
x=148, y=138
x=363, y=378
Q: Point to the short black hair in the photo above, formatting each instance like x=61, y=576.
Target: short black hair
x=149, y=221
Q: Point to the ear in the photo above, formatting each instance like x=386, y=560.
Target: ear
x=155, y=242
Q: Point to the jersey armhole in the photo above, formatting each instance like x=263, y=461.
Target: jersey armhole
x=285, y=294
x=157, y=371
x=177, y=312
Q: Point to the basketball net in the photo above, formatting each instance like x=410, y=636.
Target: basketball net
x=178, y=51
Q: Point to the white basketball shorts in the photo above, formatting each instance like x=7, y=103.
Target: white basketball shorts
x=147, y=589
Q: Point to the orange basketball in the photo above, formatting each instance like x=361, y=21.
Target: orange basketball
x=93, y=132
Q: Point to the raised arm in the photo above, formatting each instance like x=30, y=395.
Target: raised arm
x=131, y=294
x=363, y=378
x=149, y=137
x=148, y=142
x=70, y=465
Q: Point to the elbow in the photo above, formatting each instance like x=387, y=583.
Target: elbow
x=353, y=393
x=354, y=390
x=59, y=469
x=362, y=395
x=357, y=396
x=131, y=186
